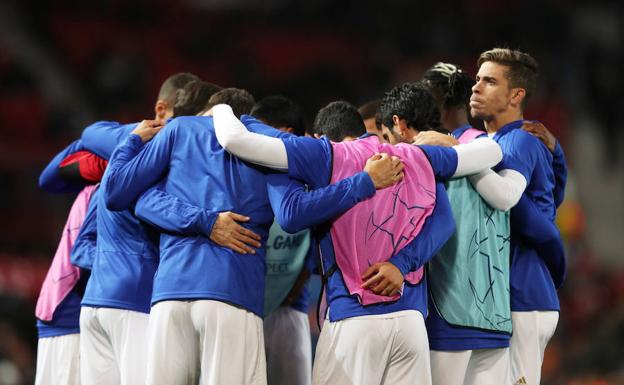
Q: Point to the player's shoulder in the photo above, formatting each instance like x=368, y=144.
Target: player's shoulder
x=519, y=135
x=105, y=124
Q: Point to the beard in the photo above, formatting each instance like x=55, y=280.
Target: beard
x=481, y=115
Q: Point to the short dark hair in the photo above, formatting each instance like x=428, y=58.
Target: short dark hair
x=371, y=110
x=449, y=85
x=338, y=120
x=193, y=98
x=412, y=102
x=240, y=100
x=169, y=88
x=522, y=68
x=280, y=111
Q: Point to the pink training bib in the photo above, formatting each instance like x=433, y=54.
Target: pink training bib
x=62, y=275
x=469, y=135
x=378, y=228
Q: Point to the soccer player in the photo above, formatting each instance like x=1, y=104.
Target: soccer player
x=290, y=259
x=116, y=303
x=504, y=82
x=387, y=276
x=58, y=305
x=469, y=323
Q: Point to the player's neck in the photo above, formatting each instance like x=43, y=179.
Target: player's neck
x=500, y=120
x=455, y=118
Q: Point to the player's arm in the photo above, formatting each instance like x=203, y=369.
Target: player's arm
x=253, y=147
x=83, y=167
x=541, y=233
x=386, y=278
x=171, y=214
x=296, y=208
x=503, y=189
x=135, y=166
x=560, y=168
x=85, y=247
x=500, y=190
x=51, y=180
x=102, y=137
x=463, y=159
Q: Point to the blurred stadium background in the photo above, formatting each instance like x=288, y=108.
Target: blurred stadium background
x=64, y=64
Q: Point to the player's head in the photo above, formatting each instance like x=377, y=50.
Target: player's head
x=505, y=80
x=280, y=112
x=168, y=93
x=451, y=88
x=339, y=121
x=193, y=98
x=372, y=119
x=240, y=100
x=406, y=110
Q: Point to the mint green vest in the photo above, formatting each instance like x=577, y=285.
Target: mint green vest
x=285, y=258
x=469, y=278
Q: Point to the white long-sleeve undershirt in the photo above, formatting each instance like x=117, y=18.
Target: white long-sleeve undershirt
x=270, y=152
x=233, y=136
x=500, y=190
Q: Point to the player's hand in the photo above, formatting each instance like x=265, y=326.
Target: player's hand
x=540, y=131
x=148, y=128
x=227, y=232
x=383, y=279
x=384, y=170
x=434, y=138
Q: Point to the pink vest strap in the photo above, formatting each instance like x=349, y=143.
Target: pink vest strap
x=62, y=275
x=378, y=228
x=469, y=135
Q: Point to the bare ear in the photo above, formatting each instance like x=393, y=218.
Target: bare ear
x=395, y=120
x=161, y=109
x=518, y=95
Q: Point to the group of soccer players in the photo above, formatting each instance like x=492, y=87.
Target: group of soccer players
x=186, y=253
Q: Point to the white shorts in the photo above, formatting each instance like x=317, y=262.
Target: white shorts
x=112, y=346
x=58, y=360
x=205, y=342
x=470, y=367
x=374, y=350
x=531, y=332
x=288, y=347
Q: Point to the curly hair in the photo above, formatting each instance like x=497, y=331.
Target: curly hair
x=412, y=102
x=449, y=85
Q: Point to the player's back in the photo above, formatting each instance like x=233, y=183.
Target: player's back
x=204, y=174
x=126, y=260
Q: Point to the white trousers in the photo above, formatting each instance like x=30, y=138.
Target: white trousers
x=58, y=360
x=288, y=347
x=374, y=350
x=205, y=342
x=531, y=332
x=112, y=346
x=470, y=367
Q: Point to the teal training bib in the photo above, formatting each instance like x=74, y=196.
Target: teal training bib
x=469, y=278
x=285, y=257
